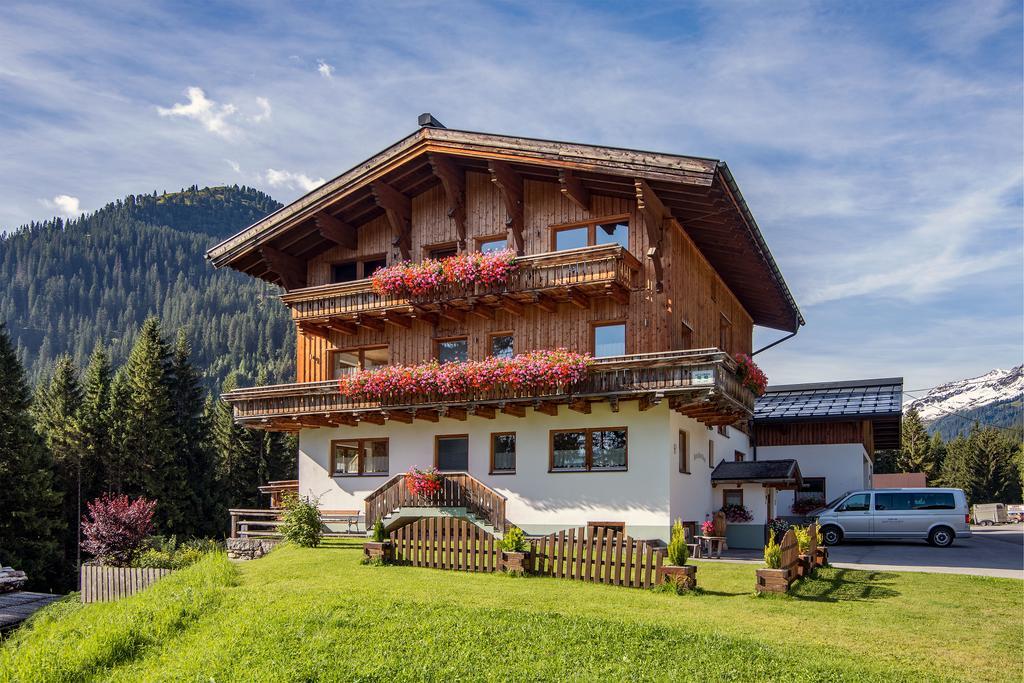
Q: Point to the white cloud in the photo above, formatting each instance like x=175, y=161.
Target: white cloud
x=214, y=117
x=292, y=180
x=65, y=205
x=265, y=110
x=235, y=166
x=325, y=69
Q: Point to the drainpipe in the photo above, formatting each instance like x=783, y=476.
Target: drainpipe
x=753, y=424
x=776, y=342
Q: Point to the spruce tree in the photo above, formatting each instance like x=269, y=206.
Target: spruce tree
x=916, y=453
x=95, y=428
x=30, y=524
x=238, y=466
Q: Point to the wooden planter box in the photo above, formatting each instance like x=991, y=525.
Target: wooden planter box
x=100, y=583
x=804, y=566
x=382, y=551
x=515, y=563
x=773, y=580
x=821, y=557
x=686, y=575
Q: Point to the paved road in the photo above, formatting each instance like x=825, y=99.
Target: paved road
x=991, y=551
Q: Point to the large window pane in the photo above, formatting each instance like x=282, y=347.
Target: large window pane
x=373, y=265
x=609, y=340
x=453, y=453
x=501, y=346
x=504, y=447
x=344, y=272
x=452, y=351
x=616, y=232
x=345, y=362
x=346, y=457
x=609, y=449
x=375, y=358
x=492, y=245
x=375, y=454
x=569, y=450
x=571, y=238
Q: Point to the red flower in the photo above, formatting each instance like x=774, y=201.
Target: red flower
x=463, y=270
x=751, y=376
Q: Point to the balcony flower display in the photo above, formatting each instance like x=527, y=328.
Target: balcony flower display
x=751, y=376
x=737, y=514
x=526, y=371
x=431, y=275
x=423, y=482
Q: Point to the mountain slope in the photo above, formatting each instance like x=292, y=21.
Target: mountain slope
x=994, y=398
x=68, y=285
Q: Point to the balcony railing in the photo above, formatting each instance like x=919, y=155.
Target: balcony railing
x=573, y=275
x=699, y=383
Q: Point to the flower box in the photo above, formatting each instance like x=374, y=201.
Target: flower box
x=804, y=566
x=685, y=575
x=821, y=556
x=515, y=562
x=379, y=551
x=773, y=580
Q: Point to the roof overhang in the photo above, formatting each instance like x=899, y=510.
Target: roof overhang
x=700, y=194
x=779, y=474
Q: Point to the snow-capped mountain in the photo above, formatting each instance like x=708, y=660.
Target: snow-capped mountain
x=964, y=395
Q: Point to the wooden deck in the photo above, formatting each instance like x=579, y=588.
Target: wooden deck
x=17, y=606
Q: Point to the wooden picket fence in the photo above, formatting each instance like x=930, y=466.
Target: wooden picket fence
x=598, y=555
x=100, y=583
x=446, y=543
x=790, y=552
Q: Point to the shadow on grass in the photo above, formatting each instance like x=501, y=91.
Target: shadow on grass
x=845, y=585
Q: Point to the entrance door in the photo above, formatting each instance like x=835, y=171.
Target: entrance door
x=855, y=516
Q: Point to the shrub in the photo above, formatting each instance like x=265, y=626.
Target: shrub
x=779, y=526
x=514, y=541
x=772, y=553
x=736, y=513
x=379, y=535
x=803, y=539
x=115, y=527
x=166, y=553
x=301, y=522
x=678, y=552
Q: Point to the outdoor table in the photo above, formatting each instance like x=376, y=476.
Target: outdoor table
x=712, y=546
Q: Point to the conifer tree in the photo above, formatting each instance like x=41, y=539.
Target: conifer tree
x=95, y=428
x=916, y=452
x=984, y=465
x=30, y=525
x=238, y=466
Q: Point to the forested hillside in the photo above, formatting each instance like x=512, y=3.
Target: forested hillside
x=70, y=284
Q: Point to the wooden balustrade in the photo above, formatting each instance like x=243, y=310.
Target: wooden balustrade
x=458, y=490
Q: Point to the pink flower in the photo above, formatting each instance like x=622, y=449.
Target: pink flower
x=751, y=376
x=430, y=276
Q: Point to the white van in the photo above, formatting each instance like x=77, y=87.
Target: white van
x=937, y=515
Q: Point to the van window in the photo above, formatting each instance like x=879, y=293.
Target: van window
x=914, y=501
x=856, y=503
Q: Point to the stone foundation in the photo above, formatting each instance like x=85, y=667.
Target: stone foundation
x=249, y=548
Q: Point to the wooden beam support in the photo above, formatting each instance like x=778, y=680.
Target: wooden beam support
x=507, y=303
x=457, y=315
x=577, y=298
x=453, y=180
x=372, y=418
x=400, y=321
x=513, y=409
x=613, y=403
x=398, y=208
x=482, y=411
x=617, y=292
x=453, y=413
x=375, y=324
x=342, y=419
x=510, y=186
x=546, y=407
x=580, y=407
x=655, y=215
x=573, y=190
x=428, y=415
x=649, y=401
x=399, y=416
x=334, y=230
x=315, y=330
x=546, y=303
x=347, y=329
x=482, y=310
x=291, y=270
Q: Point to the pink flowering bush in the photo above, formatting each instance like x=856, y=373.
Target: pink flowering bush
x=751, y=376
x=707, y=528
x=115, y=527
x=462, y=270
x=526, y=371
x=423, y=482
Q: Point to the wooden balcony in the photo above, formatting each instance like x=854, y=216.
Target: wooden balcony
x=574, y=276
x=698, y=383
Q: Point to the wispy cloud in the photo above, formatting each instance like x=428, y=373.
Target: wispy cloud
x=291, y=180
x=265, y=110
x=214, y=117
x=325, y=69
x=65, y=205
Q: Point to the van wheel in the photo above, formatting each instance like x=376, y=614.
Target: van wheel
x=832, y=535
x=941, y=537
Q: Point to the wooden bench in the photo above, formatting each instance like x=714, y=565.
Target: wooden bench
x=348, y=517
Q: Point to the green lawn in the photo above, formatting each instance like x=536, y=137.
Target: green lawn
x=321, y=615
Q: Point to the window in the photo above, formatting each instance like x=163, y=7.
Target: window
x=732, y=497
x=686, y=342
x=724, y=334
x=613, y=230
x=860, y=502
x=351, y=360
x=609, y=339
x=813, y=490
x=501, y=345
x=451, y=453
x=914, y=501
x=439, y=251
x=588, y=450
x=486, y=245
x=684, y=452
x=371, y=266
x=723, y=430
x=503, y=453
x=359, y=457
x=347, y=271
x=452, y=350
x=738, y=456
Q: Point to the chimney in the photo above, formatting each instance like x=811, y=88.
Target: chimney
x=427, y=120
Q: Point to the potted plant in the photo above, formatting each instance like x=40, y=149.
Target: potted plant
x=379, y=549
x=820, y=551
x=681, y=575
x=425, y=482
x=772, y=579
x=805, y=564
x=515, y=552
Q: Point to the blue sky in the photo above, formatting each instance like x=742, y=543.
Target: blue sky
x=879, y=144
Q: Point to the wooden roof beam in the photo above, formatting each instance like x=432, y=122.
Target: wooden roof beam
x=375, y=324
x=315, y=330
x=655, y=215
x=457, y=315
x=507, y=303
x=346, y=329
x=513, y=409
x=546, y=407
x=573, y=190
x=578, y=298
x=291, y=270
x=482, y=411
x=510, y=186
x=581, y=407
x=398, y=208
x=337, y=231
x=454, y=413
x=546, y=303
x=399, y=416
x=453, y=180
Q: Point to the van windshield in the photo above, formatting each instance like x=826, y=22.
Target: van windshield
x=833, y=503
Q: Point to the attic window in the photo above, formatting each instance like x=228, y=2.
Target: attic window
x=613, y=230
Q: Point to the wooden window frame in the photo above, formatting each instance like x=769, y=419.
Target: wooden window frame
x=723, y=430
x=440, y=340
x=711, y=453
x=591, y=226
x=588, y=451
x=739, y=456
x=451, y=244
x=494, y=471
x=360, y=262
x=490, y=341
x=608, y=323
x=360, y=350
x=727, y=491
x=362, y=457
x=479, y=242
x=684, y=452
x=437, y=441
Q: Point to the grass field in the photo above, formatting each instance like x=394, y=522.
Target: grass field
x=319, y=614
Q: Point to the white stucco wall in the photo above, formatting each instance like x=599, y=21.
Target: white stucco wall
x=538, y=500
x=844, y=466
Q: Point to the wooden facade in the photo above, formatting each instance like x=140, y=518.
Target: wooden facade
x=817, y=433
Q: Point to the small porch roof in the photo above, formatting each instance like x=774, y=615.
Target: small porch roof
x=775, y=473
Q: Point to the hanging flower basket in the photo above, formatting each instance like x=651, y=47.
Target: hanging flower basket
x=425, y=482
x=751, y=376
x=737, y=514
x=431, y=275
x=528, y=371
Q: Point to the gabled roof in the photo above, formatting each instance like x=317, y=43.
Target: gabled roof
x=766, y=471
x=699, y=193
x=877, y=400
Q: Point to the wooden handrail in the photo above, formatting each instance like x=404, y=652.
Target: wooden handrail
x=458, y=489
